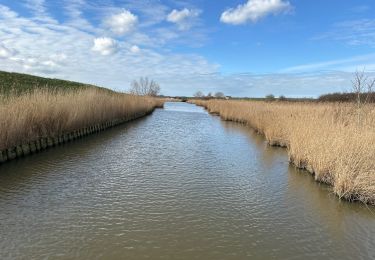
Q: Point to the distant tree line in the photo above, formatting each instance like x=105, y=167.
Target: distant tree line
x=347, y=97
x=218, y=95
x=268, y=98
x=271, y=97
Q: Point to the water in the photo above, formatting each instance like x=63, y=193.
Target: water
x=179, y=184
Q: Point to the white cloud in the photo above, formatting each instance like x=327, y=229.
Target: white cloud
x=254, y=10
x=121, y=23
x=7, y=13
x=355, y=32
x=178, y=16
x=39, y=10
x=347, y=64
x=34, y=65
x=37, y=6
x=105, y=46
x=74, y=13
x=135, y=49
x=6, y=53
x=183, y=18
x=150, y=12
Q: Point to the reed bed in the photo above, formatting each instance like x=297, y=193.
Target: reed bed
x=334, y=141
x=45, y=113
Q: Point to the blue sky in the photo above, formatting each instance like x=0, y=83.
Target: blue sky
x=240, y=47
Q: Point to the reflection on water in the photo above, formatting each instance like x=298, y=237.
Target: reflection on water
x=179, y=184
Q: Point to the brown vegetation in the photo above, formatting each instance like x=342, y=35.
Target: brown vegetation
x=44, y=113
x=324, y=138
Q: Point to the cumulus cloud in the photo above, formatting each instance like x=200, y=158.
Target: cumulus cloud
x=254, y=10
x=135, y=49
x=121, y=23
x=105, y=46
x=183, y=18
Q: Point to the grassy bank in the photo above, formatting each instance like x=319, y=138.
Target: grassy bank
x=18, y=83
x=30, y=112
x=335, y=142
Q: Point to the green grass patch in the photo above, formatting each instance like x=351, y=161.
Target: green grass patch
x=17, y=83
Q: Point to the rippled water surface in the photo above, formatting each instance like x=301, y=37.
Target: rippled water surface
x=179, y=184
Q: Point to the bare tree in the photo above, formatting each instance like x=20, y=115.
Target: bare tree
x=370, y=90
x=198, y=94
x=363, y=88
x=145, y=87
x=219, y=95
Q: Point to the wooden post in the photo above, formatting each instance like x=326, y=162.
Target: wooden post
x=43, y=143
x=49, y=142
x=32, y=147
x=55, y=141
x=11, y=153
x=38, y=145
x=25, y=149
x=3, y=157
x=19, y=152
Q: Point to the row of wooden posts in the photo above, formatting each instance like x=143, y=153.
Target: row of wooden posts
x=44, y=143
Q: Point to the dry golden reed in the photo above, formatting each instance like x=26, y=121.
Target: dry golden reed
x=43, y=113
x=325, y=138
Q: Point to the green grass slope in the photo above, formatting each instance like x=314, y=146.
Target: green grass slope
x=17, y=83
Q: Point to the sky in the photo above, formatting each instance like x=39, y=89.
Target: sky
x=295, y=48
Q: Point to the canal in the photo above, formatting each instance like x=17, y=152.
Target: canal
x=178, y=184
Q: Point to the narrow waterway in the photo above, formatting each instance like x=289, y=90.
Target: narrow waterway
x=178, y=184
